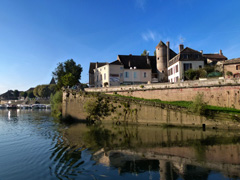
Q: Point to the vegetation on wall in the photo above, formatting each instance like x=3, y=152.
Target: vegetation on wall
x=56, y=104
x=97, y=108
x=198, y=105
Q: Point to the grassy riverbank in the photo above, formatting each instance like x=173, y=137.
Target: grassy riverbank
x=184, y=104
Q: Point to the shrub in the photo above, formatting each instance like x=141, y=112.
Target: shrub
x=198, y=106
x=56, y=104
x=229, y=73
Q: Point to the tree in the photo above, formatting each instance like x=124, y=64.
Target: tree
x=155, y=53
x=30, y=94
x=16, y=93
x=44, y=90
x=144, y=53
x=24, y=94
x=67, y=73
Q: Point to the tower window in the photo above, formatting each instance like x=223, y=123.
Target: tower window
x=158, y=58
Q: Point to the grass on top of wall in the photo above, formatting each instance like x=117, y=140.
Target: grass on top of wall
x=184, y=104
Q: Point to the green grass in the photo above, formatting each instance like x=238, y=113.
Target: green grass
x=183, y=104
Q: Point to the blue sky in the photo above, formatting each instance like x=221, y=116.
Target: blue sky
x=35, y=35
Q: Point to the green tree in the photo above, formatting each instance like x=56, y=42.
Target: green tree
x=24, y=94
x=56, y=104
x=67, y=73
x=30, y=94
x=16, y=93
x=144, y=53
x=35, y=91
x=155, y=53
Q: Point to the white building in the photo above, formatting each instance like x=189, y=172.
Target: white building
x=185, y=60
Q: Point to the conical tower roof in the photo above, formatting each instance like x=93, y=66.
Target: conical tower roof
x=160, y=44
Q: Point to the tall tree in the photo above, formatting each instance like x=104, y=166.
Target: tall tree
x=67, y=73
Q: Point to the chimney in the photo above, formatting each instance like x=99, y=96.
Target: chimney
x=201, y=52
x=96, y=65
x=220, y=52
x=181, y=47
x=168, y=53
x=130, y=54
x=129, y=63
x=147, y=56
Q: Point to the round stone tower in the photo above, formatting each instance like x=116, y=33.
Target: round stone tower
x=161, y=58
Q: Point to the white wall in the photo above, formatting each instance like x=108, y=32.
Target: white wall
x=176, y=75
x=139, y=75
x=179, y=75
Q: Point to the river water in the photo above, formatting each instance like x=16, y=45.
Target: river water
x=35, y=146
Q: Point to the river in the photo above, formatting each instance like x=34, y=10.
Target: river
x=35, y=146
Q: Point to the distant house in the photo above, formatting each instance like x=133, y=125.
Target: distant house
x=186, y=59
x=215, y=59
x=231, y=68
x=109, y=74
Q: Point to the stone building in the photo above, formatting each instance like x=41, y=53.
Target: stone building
x=216, y=60
x=231, y=68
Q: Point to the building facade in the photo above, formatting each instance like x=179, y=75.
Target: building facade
x=231, y=68
x=185, y=60
x=166, y=66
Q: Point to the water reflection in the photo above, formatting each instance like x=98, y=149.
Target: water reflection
x=33, y=146
x=170, y=152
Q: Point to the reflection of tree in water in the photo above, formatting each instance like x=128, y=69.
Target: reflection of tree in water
x=98, y=137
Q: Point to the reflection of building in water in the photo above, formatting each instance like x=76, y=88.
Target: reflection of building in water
x=170, y=166
x=170, y=152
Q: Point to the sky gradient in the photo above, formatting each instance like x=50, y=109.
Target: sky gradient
x=35, y=35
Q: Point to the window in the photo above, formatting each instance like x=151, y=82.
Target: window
x=187, y=66
x=185, y=56
x=238, y=67
x=144, y=74
x=134, y=75
x=121, y=75
x=126, y=75
x=177, y=79
x=200, y=66
x=176, y=68
x=104, y=76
